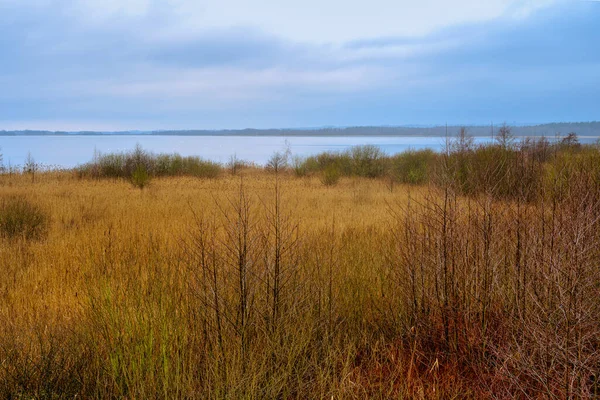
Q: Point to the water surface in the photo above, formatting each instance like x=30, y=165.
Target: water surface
x=72, y=150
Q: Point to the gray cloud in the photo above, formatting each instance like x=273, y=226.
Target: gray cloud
x=141, y=70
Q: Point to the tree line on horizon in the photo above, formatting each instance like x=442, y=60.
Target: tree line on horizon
x=550, y=130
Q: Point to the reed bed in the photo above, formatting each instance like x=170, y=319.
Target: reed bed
x=266, y=284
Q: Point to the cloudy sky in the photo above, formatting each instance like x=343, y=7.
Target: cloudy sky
x=184, y=64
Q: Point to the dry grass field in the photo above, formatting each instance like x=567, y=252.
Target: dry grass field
x=261, y=285
x=109, y=291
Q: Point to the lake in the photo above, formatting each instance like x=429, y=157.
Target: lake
x=72, y=150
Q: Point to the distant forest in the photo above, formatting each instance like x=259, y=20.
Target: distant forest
x=549, y=130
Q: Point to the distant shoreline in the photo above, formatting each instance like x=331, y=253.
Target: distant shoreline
x=548, y=130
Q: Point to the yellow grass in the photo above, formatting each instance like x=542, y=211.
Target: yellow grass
x=88, y=214
x=351, y=291
x=106, y=232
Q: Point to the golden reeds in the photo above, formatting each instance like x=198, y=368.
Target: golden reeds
x=264, y=284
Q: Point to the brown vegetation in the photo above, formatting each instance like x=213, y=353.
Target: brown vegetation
x=476, y=276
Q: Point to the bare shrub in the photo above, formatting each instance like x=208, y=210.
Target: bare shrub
x=31, y=166
x=331, y=176
x=140, y=177
x=278, y=162
x=412, y=167
x=505, y=137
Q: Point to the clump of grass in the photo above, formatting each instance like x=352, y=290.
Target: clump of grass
x=20, y=218
x=43, y=362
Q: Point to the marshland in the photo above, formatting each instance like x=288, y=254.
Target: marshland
x=471, y=272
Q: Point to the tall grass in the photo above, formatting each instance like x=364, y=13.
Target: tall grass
x=460, y=284
x=20, y=218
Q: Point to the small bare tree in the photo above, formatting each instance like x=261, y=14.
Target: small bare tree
x=31, y=166
x=234, y=164
x=464, y=142
x=280, y=159
x=570, y=140
x=505, y=137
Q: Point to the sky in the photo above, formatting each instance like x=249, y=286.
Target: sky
x=111, y=65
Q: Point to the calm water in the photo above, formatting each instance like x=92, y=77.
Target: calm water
x=69, y=151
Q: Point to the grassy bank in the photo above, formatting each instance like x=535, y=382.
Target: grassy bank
x=467, y=274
